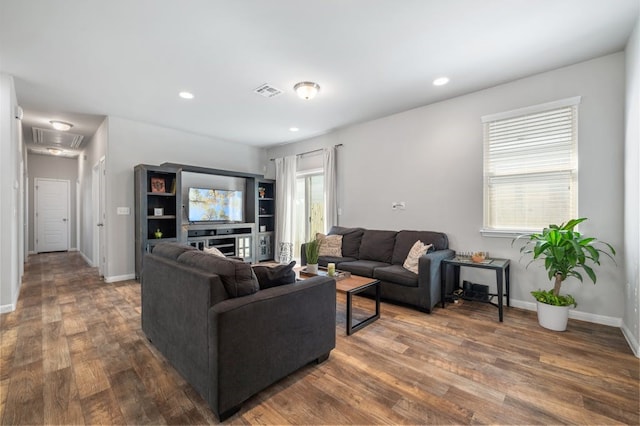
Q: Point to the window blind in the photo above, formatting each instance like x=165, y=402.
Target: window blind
x=531, y=167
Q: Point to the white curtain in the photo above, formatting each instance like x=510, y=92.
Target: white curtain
x=330, y=195
x=285, y=201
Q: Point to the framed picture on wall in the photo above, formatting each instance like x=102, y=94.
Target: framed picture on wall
x=157, y=184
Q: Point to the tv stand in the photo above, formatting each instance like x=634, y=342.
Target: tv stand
x=232, y=239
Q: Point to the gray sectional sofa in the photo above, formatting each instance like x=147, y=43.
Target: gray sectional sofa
x=380, y=254
x=228, y=338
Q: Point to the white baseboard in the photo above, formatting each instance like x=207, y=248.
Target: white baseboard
x=7, y=308
x=579, y=315
x=31, y=252
x=631, y=340
x=86, y=259
x=116, y=278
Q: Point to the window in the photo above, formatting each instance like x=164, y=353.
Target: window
x=309, y=205
x=531, y=167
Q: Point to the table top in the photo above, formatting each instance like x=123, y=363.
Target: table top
x=489, y=263
x=344, y=285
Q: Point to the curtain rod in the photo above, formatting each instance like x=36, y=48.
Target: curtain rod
x=309, y=152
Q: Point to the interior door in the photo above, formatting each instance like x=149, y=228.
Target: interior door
x=52, y=215
x=99, y=216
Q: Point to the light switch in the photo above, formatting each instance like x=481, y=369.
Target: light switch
x=124, y=210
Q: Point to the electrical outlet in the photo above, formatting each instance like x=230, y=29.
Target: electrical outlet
x=123, y=211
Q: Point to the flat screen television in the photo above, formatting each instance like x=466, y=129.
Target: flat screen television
x=215, y=205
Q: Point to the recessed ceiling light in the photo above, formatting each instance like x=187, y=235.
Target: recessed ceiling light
x=441, y=81
x=186, y=95
x=61, y=125
x=293, y=129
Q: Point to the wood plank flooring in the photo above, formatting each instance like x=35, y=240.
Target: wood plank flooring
x=74, y=353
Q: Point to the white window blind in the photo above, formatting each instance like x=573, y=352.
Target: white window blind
x=531, y=167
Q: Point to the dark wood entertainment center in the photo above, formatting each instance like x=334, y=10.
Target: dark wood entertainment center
x=159, y=207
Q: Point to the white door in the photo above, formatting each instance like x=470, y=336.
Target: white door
x=99, y=216
x=52, y=215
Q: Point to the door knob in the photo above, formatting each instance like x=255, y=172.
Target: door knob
x=64, y=220
x=100, y=224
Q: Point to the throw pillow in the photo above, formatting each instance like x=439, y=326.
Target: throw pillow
x=275, y=276
x=330, y=245
x=418, y=249
x=214, y=251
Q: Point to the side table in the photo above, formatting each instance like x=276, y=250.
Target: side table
x=501, y=266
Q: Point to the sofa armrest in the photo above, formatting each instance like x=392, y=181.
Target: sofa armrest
x=429, y=274
x=258, y=339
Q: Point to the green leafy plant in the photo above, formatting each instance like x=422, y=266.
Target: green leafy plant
x=311, y=249
x=565, y=251
x=549, y=298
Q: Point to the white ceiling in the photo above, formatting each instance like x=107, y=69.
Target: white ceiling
x=81, y=60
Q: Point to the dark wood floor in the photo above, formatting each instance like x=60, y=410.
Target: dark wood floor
x=73, y=353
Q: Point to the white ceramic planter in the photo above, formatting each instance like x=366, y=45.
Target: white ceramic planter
x=553, y=317
x=312, y=269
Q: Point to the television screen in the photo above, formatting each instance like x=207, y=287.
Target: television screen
x=215, y=205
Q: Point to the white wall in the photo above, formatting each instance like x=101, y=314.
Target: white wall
x=631, y=319
x=11, y=190
x=431, y=158
x=50, y=167
x=132, y=143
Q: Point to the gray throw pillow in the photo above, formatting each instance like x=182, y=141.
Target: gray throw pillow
x=275, y=276
x=236, y=276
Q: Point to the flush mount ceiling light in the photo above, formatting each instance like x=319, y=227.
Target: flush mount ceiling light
x=186, y=95
x=54, y=151
x=307, y=89
x=293, y=129
x=61, y=125
x=441, y=81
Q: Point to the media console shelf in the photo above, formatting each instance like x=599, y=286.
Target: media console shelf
x=232, y=239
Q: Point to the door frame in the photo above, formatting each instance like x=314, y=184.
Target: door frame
x=36, y=243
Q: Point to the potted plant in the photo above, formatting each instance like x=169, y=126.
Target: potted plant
x=311, y=249
x=565, y=252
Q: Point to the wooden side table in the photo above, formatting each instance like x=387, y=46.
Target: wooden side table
x=501, y=266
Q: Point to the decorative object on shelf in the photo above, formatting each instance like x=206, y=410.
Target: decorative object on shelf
x=173, y=186
x=261, y=191
x=286, y=252
x=564, y=251
x=479, y=256
x=157, y=184
x=312, y=250
x=158, y=233
x=158, y=211
x=263, y=228
x=331, y=269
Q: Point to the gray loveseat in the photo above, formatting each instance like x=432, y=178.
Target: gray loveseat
x=380, y=254
x=226, y=337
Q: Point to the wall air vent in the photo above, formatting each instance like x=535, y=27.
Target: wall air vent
x=267, y=91
x=53, y=137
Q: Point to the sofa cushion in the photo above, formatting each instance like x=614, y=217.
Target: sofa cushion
x=325, y=260
x=418, y=249
x=378, y=246
x=274, y=276
x=236, y=276
x=406, y=239
x=171, y=250
x=364, y=268
x=330, y=245
x=351, y=238
x=397, y=275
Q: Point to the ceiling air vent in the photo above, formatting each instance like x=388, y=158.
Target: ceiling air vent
x=268, y=91
x=52, y=137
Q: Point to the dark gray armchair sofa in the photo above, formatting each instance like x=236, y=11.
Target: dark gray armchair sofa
x=224, y=335
x=380, y=254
